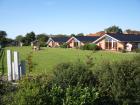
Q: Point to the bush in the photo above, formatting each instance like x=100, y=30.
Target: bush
x=5, y=88
x=116, y=83
x=76, y=95
x=35, y=91
x=72, y=74
x=43, y=44
x=64, y=45
x=90, y=47
x=27, y=92
x=80, y=96
x=121, y=50
x=137, y=50
x=120, y=81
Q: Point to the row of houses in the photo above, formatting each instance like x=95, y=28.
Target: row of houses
x=106, y=42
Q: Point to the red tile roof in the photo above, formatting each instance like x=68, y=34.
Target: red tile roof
x=101, y=33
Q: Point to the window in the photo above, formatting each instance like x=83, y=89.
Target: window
x=110, y=43
x=75, y=44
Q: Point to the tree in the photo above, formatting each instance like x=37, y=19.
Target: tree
x=113, y=29
x=19, y=38
x=3, y=35
x=72, y=35
x=80, y=34
x=129, y=31
x=42, y=38
x=58, y=35
x=10, y=41
x=29, y=38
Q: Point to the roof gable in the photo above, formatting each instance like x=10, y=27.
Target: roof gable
x=59, y=39
x=49, y=40
x=105, y=35
x=121, y=37
x=73, y=38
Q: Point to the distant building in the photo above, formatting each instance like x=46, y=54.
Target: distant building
x=78, y=41
x=56, y=41
x=108, y=41
x=118, y=41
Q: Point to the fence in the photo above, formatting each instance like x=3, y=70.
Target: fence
x=15, y=69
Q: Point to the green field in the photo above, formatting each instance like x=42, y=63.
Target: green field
x=45, y=59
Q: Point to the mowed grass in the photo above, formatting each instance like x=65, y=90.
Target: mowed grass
x=47, y=58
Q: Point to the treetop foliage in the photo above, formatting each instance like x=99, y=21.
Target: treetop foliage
x=113, y=29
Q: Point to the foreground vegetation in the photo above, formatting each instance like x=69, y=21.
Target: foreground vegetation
x=79, y=83
x=44, y=60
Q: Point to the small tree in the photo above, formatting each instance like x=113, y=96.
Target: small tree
x=113, y=29
x=72, y=35
x=29, y=38
x=42, y=38
x=3, y=35
x=20, y=39
x=80, y=34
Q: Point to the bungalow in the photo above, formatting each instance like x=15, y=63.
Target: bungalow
x=56, y=41
x=78, y=41
x=118, y=42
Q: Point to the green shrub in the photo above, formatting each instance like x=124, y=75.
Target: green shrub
x=66, y=74
x=64, y=45
x=80, y=96
x=43, y=44
x=5, y=88
x=121, y=81
x=76, y=95
x=36, y=91
x=122, y=50
x=27, y=91
x=137, y=50
x=90, y=47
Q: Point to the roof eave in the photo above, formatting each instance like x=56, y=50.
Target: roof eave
x=103, y=37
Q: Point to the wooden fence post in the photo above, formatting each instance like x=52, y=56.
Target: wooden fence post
x=9, y=65
x=16, y=65
x=13, y=69
x=22, y=68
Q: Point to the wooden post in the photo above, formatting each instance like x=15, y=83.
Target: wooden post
x=22, y=68
x=16, y=65
x=9, y=65
x=13, y=69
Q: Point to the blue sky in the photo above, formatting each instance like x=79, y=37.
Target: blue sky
x=67, y=16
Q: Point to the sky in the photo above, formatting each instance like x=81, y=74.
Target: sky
x=18, y=17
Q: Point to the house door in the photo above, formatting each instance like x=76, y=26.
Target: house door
x=108, y=45
x=111, y=45
x=75, y=44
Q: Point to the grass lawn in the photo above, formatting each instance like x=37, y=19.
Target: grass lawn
x=45, y=59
